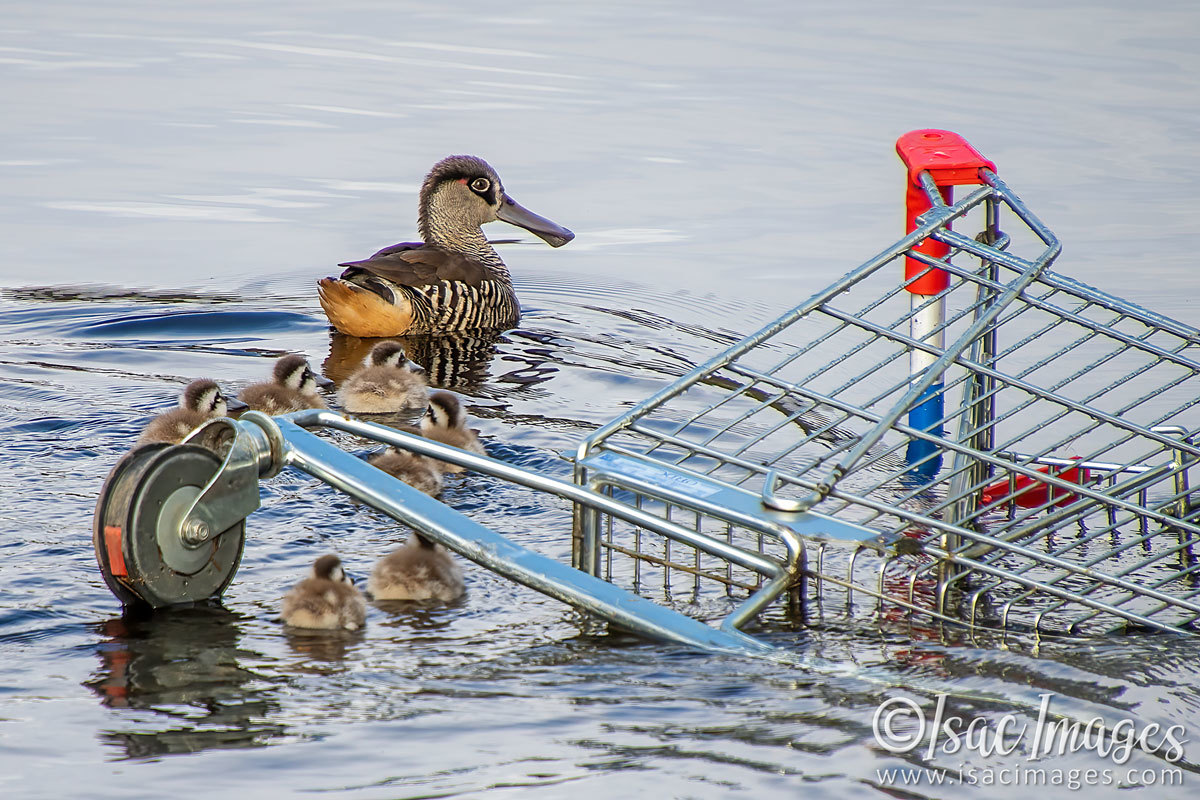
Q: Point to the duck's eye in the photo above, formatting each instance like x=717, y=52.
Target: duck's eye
x=481, y=184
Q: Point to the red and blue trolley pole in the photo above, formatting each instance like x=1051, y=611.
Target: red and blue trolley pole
x=949, y=161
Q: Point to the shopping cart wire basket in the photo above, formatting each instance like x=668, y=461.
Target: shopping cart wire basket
x=1018, y=443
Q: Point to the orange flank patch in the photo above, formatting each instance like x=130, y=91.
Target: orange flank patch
x=358, y=312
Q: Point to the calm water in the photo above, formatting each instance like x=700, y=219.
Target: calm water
x=174, y=181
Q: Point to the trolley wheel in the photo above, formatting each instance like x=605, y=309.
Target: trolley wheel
x=143, y=559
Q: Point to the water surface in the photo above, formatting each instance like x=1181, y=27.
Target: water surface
x=175, y=179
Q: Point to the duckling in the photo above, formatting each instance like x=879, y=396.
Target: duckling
x=419, y=569
x=421, y=473
x=446, y=422
x=293, y=387
x=200, y=401
x=326, y=599
x=387, y=381
x=453, y=280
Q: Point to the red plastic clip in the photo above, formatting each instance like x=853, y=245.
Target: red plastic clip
x=950, y=161
x=112, y=546
x=1028, y=492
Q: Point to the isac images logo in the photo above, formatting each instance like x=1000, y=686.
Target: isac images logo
x=901, y=726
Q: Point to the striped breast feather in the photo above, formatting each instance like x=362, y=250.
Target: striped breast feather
x=453, y=306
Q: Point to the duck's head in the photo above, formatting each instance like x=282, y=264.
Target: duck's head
x=294, y=373
x=462, y=193
x=445, y=411
x=205, y=396
x=388, y=354
x=329, y=567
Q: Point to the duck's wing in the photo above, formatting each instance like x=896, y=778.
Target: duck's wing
x=417, y=264
x=395, y=248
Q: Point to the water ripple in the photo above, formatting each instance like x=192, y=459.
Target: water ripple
x=165, y=211
x=208, y=325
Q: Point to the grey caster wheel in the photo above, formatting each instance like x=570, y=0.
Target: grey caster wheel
x=135, y=532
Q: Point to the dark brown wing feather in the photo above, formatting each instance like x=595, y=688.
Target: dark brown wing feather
x=396, y=248
x=416, y=264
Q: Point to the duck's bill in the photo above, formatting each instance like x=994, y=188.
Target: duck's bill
x=514, y=213
x=233, y=405
x=322, y=381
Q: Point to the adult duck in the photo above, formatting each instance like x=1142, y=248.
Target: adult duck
x=453, y=280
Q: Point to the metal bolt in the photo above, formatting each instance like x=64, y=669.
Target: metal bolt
x=195, y=531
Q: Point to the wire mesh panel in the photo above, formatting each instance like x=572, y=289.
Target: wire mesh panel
x=1023, y=459
x=682, y=575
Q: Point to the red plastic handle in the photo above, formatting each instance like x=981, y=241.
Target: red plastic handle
x=1029, y=492
x=945, y=155
x=950, y=161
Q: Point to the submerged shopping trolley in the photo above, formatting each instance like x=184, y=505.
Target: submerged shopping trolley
x=950, y=433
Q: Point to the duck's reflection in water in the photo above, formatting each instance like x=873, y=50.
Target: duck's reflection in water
x=330, y=647
x=183, y=664
x=421, y=617
x=460, y=362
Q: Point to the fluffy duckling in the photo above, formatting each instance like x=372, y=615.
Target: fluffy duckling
x=387, y=381
x=446, y=422
x=201, y=401
x=326, y=599
x=421, y=473
x=417, y=570
x=293, y=387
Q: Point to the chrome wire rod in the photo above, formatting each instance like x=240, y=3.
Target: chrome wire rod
x=480, y=544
